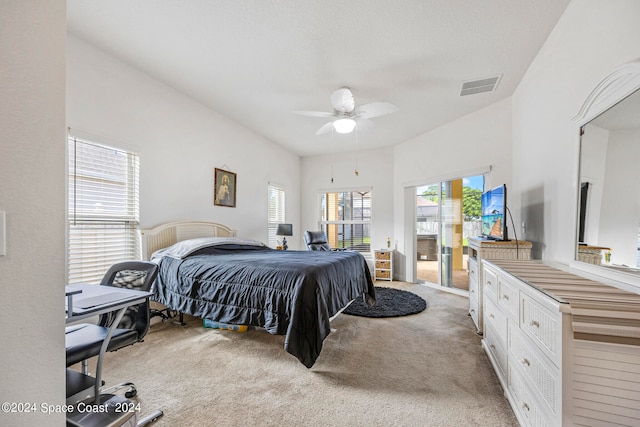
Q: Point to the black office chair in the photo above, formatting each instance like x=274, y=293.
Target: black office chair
x=84, y=341
x=316, y=241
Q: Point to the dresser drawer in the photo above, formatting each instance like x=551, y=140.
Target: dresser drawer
x=542, y=326
x=508, y=297
x=383, y=264
x=473, y=269
x=531, y=413
x=489, y=283
x=473, y=289
x=383, y=274
x=542, y=378
x=473, y=312
x=496, y=348
x=386, y=255
x=496, y=318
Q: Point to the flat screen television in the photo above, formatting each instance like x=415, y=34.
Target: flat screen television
x=494, y=209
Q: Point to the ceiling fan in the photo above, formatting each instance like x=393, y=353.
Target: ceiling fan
x=345, y=116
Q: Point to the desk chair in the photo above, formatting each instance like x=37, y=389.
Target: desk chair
x=316, y=241
x=83, y=341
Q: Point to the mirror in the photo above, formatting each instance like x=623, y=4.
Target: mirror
x=608, y=223
x=609, y=208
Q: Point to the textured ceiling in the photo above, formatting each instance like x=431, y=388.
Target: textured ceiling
x=256, y=61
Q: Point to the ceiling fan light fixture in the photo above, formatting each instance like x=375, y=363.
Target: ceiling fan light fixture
x=344, y=125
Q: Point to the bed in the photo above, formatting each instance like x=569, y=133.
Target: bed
x=206, y=271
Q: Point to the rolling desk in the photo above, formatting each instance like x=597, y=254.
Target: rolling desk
x=84, y=301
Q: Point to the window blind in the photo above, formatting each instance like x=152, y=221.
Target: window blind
x=276, y=213
x=103, y=209
x=346, y=219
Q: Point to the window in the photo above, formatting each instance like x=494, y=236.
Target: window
x=103, y=209
x=276, y=211
x=346, y=218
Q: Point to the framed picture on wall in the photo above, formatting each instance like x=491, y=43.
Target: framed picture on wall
x=224, y=189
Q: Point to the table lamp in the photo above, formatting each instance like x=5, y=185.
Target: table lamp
x=284, y=230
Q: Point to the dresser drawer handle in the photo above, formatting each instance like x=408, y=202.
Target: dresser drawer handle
x=489, y=283
x=535, y=323
x=492, y=316
x=505, y=296
x=492, y=346
x=525, y=361
x=525, y=406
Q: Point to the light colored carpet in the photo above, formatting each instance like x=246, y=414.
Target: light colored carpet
x=426, y=369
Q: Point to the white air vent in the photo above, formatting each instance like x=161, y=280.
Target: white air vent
x=488, y=84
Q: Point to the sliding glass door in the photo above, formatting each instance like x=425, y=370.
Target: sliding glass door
x=448, y=213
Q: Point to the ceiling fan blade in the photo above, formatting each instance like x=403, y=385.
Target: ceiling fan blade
x=326, y=128
x=314, y=113
x=364, y=125
x=342, y=100
x=376, y=109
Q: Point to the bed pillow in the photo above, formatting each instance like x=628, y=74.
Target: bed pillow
x=185, y=248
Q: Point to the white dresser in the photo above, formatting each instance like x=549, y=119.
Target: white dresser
x=480, y=249
x=566, y=349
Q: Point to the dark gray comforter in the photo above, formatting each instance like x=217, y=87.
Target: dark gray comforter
x=291, y=293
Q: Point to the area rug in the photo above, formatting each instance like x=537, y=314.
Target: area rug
x=390, y=302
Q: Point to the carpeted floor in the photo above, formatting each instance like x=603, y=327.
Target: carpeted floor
x=426, y=369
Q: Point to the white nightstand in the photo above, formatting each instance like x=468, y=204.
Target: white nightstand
x=383, y=259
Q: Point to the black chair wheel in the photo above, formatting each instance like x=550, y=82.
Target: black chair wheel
x=131, y=392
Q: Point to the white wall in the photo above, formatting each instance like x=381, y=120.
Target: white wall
x=32, y=193
x=180, y=142
x=590, y=40
x=375, y=169
x=457, y=149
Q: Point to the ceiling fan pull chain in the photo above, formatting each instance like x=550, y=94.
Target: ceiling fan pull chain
x=356, y=169
x=332, y=158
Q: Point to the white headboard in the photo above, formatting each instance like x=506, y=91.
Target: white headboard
x=165, y=235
